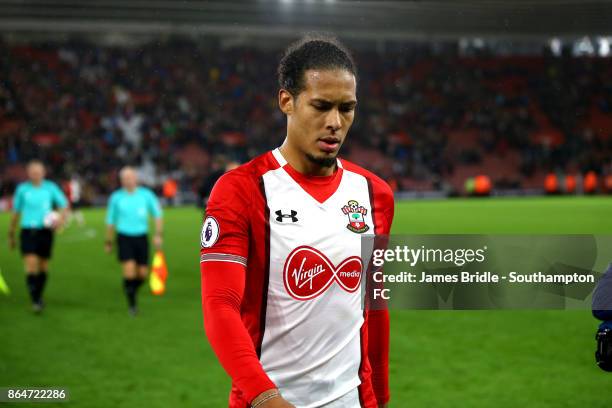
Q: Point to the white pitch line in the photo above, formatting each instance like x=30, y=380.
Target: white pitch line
x=85, y=235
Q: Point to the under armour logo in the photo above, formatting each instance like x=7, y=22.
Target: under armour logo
x=280, y=216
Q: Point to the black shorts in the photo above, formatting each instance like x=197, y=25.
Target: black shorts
x=37, y=241
x=133, y=248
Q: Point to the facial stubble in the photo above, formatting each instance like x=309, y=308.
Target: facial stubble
x=321, y=161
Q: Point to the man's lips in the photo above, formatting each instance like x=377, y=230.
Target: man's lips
x=328, y=144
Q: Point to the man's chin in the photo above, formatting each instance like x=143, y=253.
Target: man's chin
x=323, y=160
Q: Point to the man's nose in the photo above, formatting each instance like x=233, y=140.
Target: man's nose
x=334, y=122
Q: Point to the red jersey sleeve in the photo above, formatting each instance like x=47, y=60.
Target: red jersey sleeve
x=378, y=320
x=223, y=258
x=225, y=231
x=222, y=292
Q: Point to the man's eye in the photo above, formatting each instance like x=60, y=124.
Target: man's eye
x=347, y=108
x=321, y=108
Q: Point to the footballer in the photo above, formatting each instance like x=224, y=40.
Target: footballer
x=280, y=256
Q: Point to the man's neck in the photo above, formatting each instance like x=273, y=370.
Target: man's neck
x=302, y=164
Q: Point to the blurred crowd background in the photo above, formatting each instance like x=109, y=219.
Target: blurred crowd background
x=433, y=118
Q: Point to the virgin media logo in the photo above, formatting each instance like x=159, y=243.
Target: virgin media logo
x=308, y=273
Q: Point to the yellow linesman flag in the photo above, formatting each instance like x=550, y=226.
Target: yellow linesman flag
x=3, y=286
x=159, y=274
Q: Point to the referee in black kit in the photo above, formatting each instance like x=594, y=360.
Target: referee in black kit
x=128, y=214
x=34, y=203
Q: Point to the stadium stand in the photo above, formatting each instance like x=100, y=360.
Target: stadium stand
x=427, y=121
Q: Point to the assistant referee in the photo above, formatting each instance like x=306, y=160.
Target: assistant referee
x=128, y=214
x=34, y=200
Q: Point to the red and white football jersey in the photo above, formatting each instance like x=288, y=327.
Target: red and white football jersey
x=299, y=238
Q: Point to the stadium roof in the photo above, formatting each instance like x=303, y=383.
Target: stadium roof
x=367, y=19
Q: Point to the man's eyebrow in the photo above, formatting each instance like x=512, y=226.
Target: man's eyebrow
x=327, y=102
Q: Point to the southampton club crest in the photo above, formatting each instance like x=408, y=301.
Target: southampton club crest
x=356, y=215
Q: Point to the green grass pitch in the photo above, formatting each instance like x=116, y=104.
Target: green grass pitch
x=86, y=341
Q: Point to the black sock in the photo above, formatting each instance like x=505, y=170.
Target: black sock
x=130, y=286
x=139, y=282
x=42, y=281
x=32, y=283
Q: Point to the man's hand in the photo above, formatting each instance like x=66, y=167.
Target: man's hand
x=277, y=401
x=11, y=240
x=383, y=405
x=61, y=220
x=108, y=246
x=58, y=225
x=157, y=241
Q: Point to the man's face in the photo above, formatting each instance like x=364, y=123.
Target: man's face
x=321, y=115
x=36, y=172
x=129, y=179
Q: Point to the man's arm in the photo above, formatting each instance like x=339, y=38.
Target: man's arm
x=12, y=229
x=378, y=337
x=156, y=210
x=63, y=215
x=110, y=225
x=159, y=231
x=108, y=242
x=60, y=200
x=222, y=290
x=17, y=207
x=378, y=316
x=378, y=353
x=225, y=233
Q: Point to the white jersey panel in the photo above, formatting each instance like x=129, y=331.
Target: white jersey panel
x=311, y=346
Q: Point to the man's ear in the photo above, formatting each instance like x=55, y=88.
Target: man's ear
x=285, y=101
